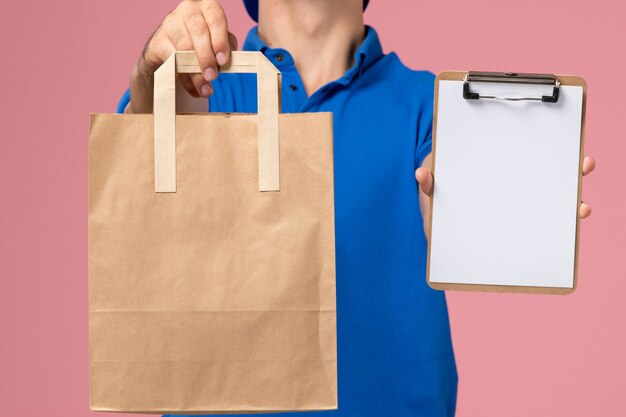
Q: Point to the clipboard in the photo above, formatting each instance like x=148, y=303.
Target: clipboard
x=504, y=143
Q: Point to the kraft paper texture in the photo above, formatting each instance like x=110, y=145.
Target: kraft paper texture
x=217, y=297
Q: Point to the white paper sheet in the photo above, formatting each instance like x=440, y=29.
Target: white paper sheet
x=506, y=185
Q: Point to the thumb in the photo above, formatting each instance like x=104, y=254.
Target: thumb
x=424, y=177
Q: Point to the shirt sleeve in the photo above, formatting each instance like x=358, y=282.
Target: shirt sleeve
x=121, y=106
x=423, y=150
x=425, y=117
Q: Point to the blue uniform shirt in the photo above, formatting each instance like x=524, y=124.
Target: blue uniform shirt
x=395, y=355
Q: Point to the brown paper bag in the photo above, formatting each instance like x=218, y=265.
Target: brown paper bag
x=211, y=255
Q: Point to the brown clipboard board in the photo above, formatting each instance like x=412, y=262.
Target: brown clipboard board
x=560, y=80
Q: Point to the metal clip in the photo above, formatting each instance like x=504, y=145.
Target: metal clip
x=511, y=77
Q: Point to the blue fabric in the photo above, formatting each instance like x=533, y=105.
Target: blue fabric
x=252, y=7
x=395, y=353
x=121, y=106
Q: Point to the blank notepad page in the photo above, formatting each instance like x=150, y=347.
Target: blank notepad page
x=506, y=186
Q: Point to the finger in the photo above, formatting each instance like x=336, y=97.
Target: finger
x=188, y=85
x=201, y=40
x=205, y=88
x=218, y=27
x=195, y=84
x=589, y=164
x=159, y=50
x=585, y=210
x=424, y=177
x=174, y=30
x=232, y=40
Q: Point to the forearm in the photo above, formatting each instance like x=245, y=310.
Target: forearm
x=141, y=89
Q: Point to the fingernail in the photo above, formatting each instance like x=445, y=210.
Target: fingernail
x=206, y=90
x=210, y=74
x=221, y=58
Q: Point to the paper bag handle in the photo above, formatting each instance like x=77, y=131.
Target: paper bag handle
x=268, y=89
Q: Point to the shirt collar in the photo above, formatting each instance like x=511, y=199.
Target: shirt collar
x=368, y=52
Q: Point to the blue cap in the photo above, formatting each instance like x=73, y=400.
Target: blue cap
x=252, y=6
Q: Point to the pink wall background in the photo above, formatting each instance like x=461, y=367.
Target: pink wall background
x=518, y=355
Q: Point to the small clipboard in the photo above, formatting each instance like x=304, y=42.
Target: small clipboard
x=507, y=162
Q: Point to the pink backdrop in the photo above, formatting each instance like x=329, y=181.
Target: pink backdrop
x=518, y=355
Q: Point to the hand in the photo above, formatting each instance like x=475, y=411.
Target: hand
x=200, y=26
x=425, y=179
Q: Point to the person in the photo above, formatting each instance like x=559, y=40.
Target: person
x=395, y=355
